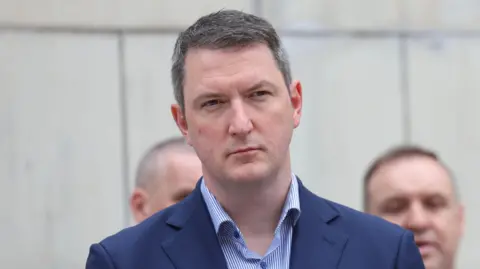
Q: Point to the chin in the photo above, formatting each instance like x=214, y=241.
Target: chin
x=249, y=172
x=432, y=262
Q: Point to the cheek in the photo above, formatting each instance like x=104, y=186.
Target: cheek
x=206, y=130
x=275, y=126
x=275, y=119
x=200, y=131
x=207, y=137
x=280, y=125
x=447, y=225
x=206, y=140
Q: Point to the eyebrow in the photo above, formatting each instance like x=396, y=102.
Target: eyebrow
x=394, y=199
x=262, y=84
x=205, y=96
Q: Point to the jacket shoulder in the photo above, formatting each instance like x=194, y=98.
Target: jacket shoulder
x=127, y=246
x=139, y=246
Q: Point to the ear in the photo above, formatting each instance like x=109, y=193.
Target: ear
x=180, y=120
x=139, y=205
x=297, y=101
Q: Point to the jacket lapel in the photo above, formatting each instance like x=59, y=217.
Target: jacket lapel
x=195, y=244
x=316, y=244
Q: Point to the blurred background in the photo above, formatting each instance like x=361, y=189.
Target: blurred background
x=85, y=90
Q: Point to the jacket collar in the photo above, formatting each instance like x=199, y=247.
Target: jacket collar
x=315, y=244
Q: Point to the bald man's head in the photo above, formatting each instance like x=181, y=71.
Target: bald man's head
x=166, y=174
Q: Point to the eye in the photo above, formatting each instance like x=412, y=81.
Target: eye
x=210, y=103
x=394, y=206
x=259, y=94
x=436, y=202
x=182, y=195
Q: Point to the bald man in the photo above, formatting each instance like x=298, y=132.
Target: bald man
x=411, y=186
x=166, y=174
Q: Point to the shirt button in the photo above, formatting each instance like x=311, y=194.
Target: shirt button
x=263, y=265
x=236, y=234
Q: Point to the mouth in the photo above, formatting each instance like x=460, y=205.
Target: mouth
x=425, y=247
x=244, y=150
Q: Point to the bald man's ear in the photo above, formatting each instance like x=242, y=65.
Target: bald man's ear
x=139, y=205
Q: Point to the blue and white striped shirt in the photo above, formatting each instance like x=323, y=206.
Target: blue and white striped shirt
x=237, y=255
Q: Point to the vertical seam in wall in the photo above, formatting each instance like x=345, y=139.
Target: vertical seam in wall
x=257, y=7
x=124, y=125
x=405, y=88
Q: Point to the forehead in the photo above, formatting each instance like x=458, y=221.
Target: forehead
x=231, y=67
x=410, y=176
x=183, y=167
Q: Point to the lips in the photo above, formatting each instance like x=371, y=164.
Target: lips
x=425, y=246
x=422, y=242
x=244, y=150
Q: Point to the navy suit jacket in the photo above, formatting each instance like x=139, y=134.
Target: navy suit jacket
x=327, y=236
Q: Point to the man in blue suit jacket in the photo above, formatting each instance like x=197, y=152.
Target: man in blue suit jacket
x=327, y=236
x=237, y=105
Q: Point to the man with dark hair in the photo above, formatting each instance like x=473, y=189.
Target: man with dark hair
x=410, y=186
x=238, y=106
x=166, y=174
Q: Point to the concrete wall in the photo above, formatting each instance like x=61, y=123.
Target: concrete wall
x=85, y=89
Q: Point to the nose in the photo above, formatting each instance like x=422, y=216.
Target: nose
x=418, y=218
x=240, y=124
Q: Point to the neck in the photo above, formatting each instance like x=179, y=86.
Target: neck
x=255, y=208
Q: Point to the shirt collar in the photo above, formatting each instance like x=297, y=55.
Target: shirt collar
x=218, y=215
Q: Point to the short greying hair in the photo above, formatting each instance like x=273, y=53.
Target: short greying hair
x=148, y=165
x=400, y=152
x=225, y=29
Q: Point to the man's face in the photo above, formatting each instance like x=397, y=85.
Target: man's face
x=239, y=115
x=181, y=175
x=176, y=180
x=417, y=193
